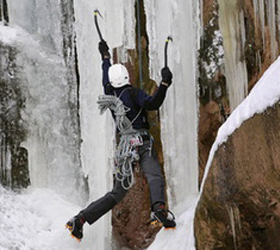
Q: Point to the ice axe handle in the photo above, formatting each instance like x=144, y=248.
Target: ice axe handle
x=165, y=50
x=96, y=12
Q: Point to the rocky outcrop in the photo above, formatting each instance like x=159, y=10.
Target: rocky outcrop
x=240, y=204
x=131, y=217
x=258, y=52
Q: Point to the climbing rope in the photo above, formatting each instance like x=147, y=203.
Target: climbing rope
x=126, y=152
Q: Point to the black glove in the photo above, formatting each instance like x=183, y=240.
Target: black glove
x=166, y=75
x=103, y=49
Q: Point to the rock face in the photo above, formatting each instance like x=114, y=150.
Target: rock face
x=131, y=217
x=240, y=204
x=209, y=122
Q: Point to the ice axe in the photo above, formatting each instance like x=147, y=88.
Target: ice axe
x=96, y=13
x=169, y=38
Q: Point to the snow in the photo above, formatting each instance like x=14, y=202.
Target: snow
x=7, y=35
x=35, y=218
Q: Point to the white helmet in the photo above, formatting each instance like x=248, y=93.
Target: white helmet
x=118, y=75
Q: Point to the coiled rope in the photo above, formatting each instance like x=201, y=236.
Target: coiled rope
x=126, y=152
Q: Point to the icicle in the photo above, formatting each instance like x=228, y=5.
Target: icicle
x=6, y=163
x=232, y=224
x=4, y=17
x=278, y=15
x=8, y=166
x=233, y=31
x=259, y=60
x=262, y=20
x=267, y=9
x=256, y=8
x=2, y=154
x=201, y=16
x=271, y=15
x=243, y=92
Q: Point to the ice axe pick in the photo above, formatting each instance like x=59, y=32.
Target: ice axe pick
x=169, y=38
x=96, y=13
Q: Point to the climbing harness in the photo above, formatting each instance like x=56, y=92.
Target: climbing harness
x=126, y=155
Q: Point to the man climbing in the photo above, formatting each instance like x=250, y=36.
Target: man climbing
x=129, y=106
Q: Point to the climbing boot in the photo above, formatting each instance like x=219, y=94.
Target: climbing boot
x=162, y=217
x=75, y=226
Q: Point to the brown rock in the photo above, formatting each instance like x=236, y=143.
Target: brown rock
x=239, y=207
x=209, y=123
x=131, y=217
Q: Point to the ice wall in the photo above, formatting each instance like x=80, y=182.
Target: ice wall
x=39, y=18
x=35, y=32
x=179, y=112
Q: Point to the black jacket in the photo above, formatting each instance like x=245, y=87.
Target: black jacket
x=134, y=98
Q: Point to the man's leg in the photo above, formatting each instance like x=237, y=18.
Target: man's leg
x=104, y=204
x=95, y=210
x=152, y=170
x=153, y=174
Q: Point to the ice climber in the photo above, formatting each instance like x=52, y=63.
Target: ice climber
x=129, y=105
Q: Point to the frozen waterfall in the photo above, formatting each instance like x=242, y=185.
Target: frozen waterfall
x=53, y=139
x=58, y=66
x=232, y=25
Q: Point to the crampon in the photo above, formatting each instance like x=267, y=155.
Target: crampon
x=163, y=218
x=75, y=226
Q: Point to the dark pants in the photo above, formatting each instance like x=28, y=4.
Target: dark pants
x=152, y=170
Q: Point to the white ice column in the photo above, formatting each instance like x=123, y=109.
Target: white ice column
x=179, y=112
x=233, y=32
